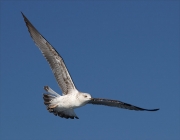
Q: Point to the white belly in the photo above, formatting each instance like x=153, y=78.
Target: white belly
x=66, y=102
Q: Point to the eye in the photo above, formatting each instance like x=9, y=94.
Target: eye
x=85, y=96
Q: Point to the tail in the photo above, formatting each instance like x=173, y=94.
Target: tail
x=50, y=91
x=48, y=97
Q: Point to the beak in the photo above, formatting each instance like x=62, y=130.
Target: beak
x=91, y=98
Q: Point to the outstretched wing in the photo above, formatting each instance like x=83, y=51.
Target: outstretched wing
x=115, y=103
x=54, y=59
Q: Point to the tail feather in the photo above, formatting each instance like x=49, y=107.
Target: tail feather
x=47, y=99
x=50, y=91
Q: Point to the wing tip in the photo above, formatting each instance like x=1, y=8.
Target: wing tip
x=22, y=14
x=25, y=19
x=152, y=109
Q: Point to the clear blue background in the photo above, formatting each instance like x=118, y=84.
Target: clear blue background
x=124, y=50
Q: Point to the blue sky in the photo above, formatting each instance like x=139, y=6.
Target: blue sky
x=121, y=50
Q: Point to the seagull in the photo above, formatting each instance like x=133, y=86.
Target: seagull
x=71, y=98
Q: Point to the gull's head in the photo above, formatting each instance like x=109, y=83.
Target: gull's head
x=85, y=97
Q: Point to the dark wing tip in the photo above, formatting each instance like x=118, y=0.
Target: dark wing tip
x=152, y=109
x=24, y=16
x=28, y=23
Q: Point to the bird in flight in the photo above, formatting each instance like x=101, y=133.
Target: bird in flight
x=71, y=98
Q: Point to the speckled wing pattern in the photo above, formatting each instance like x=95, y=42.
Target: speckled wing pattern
x=119, y=104
x=54, y=59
